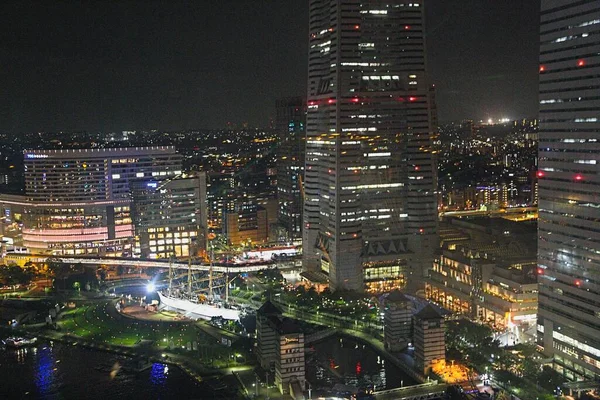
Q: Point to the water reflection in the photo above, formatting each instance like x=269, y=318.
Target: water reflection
x=45, y=370
x=158, y=374
x=67, y=372
x=347, y=362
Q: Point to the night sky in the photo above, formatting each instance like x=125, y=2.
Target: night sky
x=111, y=66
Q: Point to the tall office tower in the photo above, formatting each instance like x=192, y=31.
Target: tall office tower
x=569, y=186
x=291, y=127
x=370, y=208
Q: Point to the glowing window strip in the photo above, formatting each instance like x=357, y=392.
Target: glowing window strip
x=376, y=186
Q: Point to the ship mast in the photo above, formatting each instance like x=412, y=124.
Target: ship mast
x=170, y=274
x=210, y=273
x=190, y=276
x=227, y=286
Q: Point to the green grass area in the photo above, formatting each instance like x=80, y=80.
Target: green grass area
x=96, y=322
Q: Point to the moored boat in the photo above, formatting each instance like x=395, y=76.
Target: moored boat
x=197, y=310
x=18, y=342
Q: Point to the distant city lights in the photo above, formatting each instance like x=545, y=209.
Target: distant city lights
x=504, y=120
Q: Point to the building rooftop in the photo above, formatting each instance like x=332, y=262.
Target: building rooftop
x=288, y=325
x=269, y=309
x=314, y=276
x=30, y=154
x=429, y=312
x=497, y=226
x=397, y=296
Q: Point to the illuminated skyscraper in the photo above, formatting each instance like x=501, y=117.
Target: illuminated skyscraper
x=569, y=186
x=370, y=208
x=291, y=127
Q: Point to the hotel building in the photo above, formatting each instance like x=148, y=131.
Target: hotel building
x=569, y=184
x=79, y=202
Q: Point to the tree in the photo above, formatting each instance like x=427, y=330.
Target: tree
x=530, y=369
x=472, y=342
x=14, y=275
x=503, y=395
x=57, y=268
x=550, y=379
x=455, y=393
x=506, y=361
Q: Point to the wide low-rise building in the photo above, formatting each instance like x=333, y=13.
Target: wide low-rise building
x=63, y=228
x=486, y=269
x=81, y=203
x=496, y=293
x=247, y=224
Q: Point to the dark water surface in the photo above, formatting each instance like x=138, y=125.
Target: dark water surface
x=60, y=371
x=348, y=362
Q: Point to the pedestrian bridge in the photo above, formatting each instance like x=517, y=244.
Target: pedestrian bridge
x=320, y=335
x=581, y=386
x=425, y=391
x=128, y=262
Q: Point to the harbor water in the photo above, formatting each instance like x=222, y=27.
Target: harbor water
x=61, y=371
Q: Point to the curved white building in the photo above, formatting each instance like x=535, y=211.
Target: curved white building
x=78, y=202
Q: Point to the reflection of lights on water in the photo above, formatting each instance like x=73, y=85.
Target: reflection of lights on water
x=44, y=377
x=158, y=374
x=21, y=353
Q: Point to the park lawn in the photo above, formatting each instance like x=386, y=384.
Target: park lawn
x=94, y=322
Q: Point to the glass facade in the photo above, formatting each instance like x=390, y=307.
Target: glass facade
x=370, y=171
x=569, y=183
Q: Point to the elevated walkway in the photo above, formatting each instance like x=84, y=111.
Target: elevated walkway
x=425, y=391
x=128, y=262
x=581, y=386
x=321, y=335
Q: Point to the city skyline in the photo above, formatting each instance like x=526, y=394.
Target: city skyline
x=170, y=66
x=332, y=239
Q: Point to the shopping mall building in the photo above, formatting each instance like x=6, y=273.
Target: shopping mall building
x=81, y=202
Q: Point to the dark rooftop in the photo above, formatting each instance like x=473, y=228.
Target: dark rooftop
x=269, y=309
x=429, y=312
x=397, y=296
x=288, y=325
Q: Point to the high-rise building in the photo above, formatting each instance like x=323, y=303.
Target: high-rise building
x=79, y=202
x=429, y=339
x=267, y=318
x=569, y=186
x=370, y=202
x=290, y=365
x=397, y=321
x=291, y=127
x=95, y=174
x=170, y=217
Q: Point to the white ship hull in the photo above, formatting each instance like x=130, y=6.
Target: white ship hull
x=196, y=310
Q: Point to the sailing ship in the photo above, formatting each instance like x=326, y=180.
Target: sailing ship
x=193, y=305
